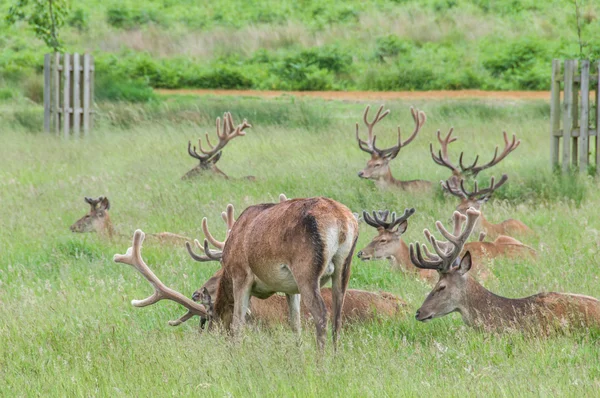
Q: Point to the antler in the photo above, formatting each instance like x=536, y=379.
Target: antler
x=210, y=255
x=379, y=218
x=133, y=257
x=229, y=133
x=445, y=252
x=442, y=157
x=368, y=146
x=420, y=118
x=473, y=169
x=476, y=193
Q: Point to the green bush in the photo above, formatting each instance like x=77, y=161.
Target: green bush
x=115, y=87
x=125, y=18
x=391, y=46
x=78, y=20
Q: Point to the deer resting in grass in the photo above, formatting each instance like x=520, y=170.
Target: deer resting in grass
x=476, y=198
x=378, y=167
x=208, y=158
x=457, y=291
x=467, y=172
x=98, y=220
x=293, y=247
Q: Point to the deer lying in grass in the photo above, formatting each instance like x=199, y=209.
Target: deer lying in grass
x=378, y=168
x=467, y=172
x=98, y=220
x=359, y=305
x=293, y=247
x=476, y=199
x=457, y=291
x=208, y=158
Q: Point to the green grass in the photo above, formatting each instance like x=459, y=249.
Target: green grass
x=66, y=323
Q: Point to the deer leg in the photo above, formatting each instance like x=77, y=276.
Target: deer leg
x=241, y=296
x=311, y=295
x=339, y=284
x=293, y=301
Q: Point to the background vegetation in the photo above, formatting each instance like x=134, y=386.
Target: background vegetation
x=311, y=44
x=66, y=323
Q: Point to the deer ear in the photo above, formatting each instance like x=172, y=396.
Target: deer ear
x=465, y=263
x=104, y=204
x=402, y=227
x=484, y=199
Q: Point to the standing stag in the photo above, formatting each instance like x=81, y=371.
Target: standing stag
x=476, y=198
x=467, y=172
x=457, y=291
x=98, y=220
x=293, y=247
x=378, y=168
x=209, y=158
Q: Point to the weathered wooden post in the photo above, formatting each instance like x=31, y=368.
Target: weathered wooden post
x=72, y=81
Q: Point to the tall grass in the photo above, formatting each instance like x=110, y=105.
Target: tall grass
x=66, y=324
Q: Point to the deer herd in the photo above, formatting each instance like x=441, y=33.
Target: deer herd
x=295, y=246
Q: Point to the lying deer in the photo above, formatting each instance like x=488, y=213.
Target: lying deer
x=457, y=291
x=359, y=305
x=293, y=247
x=388, y=244
x=476, y=199
x=209, y=158
x=378, y=168
x=467, y=172
x=98, y=220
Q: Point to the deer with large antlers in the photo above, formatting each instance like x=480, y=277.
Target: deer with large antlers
x=226, y=131
x=469, y=171
x=476, y=198
x=98, y=220
x=293, y=247
x=388, y=244
x=378, y=167
x=457, y=291
x=359, y=305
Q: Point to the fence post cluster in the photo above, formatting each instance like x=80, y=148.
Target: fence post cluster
x=68, y=93
x=579, y=117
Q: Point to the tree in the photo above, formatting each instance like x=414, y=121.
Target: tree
x=44, y=16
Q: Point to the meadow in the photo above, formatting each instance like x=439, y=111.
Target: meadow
x=66, y=323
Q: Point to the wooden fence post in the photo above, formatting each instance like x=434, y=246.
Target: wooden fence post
x=584, y=120
x=56, y=94
x=47, y=104
x=76, y=94
x=567, y=110
x=86, y=93
x=66, y=109
x=555, y=114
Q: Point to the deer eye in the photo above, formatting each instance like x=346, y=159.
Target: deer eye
x=378, y=165
x=441, y=288
x=383, y=241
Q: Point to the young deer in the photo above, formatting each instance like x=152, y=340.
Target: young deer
x=378, y=168
x=292, y=247
x=476, y=199
x=208, y=159
x=467, y=172
x=389, y=244
x=98, y=220
x=457, y=291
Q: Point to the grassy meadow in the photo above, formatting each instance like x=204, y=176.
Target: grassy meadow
x=67, y=327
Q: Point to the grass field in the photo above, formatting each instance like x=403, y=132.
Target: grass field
x=66, y=324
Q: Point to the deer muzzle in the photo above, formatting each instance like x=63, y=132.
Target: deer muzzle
x=423, y=317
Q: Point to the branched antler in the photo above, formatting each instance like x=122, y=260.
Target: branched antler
x=379, y=218
x=212, y=255
x=477, y=193
x=445, y=252
x=473, y=169
x=228, y=133
x=367, y=146
x=442, y=157
x=133, y=257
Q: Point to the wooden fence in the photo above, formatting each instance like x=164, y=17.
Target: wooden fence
x=68, y=93
x=579, y=117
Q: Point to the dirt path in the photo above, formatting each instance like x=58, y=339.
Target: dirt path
x=374, y=95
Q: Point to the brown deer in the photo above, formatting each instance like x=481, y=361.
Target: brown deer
x=388, y=244
x=378, y=168
x=457, y=291
x=359, y=305
x=209, y=158
x=467, y=172
x=293, y=247
x=98, y=220
x=476, y=198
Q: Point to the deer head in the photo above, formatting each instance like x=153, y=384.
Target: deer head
x=473, y=199
x=449, y=294
x=467, y=172
x=97, y=219
x=387, y=243
x=378, y=166
x=209, y=158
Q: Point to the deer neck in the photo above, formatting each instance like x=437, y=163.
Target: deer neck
x=223, y=304
x=484, y=309
x=492, y=230
x=108, y=230
x=386, y=180
x=401, y=257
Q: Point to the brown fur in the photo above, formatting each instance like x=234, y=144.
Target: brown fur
x=508, y=227
x=285, y=247
x=378, y=170
x=457, y=291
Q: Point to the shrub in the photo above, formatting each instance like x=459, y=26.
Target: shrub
x=391, y=46
x=126, y=18
x=116, y=87
x=78, y=20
